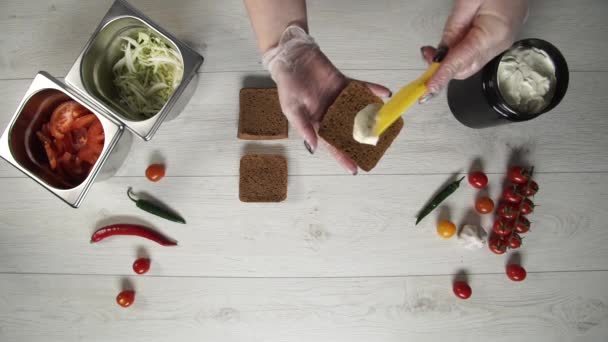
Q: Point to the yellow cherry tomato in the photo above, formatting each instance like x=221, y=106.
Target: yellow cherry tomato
x=446, y=229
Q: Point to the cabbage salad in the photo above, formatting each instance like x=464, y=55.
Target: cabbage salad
x=147, y=74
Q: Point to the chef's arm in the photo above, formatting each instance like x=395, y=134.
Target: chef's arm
x=269, y=19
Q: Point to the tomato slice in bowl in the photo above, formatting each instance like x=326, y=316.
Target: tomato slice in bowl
x=64, y=116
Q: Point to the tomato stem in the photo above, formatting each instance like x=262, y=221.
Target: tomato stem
x=130, y=195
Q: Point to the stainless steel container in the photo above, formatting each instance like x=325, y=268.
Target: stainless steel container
x=90, y=83
x=20, y=146
x=92, y=73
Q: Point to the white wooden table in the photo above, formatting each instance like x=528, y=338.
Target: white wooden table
x=340, y=260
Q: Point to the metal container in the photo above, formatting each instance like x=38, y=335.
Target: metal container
x=92, y=73
x=90, y=83
x=20, y=146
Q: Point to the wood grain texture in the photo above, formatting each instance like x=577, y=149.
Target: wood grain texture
x=546, y=307
x=328, y=226
x=383, y=34
x=201, y=141
x=340, y=260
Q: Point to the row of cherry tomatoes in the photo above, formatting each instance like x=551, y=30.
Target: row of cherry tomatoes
x=511, y=220
x=127, y=297
x=515, y=272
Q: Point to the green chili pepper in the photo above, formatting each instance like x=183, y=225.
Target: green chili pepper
x=154, y=209
x=442, y=195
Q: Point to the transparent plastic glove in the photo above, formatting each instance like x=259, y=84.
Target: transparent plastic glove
x=308, y=83
x=475, y=32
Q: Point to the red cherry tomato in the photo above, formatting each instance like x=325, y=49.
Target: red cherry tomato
x=518, y=175
x=125, y=298
x=484, y=205
x=528, y=189
x=141, y=265
x=514, y=241
x=516, y=272
x=527, y=207
x=511, y=194
x=523, y=225
x=478, y=179
x=497, y=244
x=502, y=227
x=507, y=211
x=462, y=290
x=155, y=172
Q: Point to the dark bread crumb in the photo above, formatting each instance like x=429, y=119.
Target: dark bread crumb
x=337, y=126
x=260, y=115
x=263, y=178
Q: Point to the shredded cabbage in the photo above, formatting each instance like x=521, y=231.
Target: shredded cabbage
x=147, y=74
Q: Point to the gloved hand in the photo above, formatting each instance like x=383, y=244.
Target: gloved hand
x=475, y=32
x=308, y=83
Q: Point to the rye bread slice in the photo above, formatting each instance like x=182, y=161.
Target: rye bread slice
x=263, y=178
x=337, y=126
x=260, y=115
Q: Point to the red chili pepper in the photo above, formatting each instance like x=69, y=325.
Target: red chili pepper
x=131, y=229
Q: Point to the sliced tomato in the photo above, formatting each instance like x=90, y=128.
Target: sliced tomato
x=63, y=117
x=43, y=135
x=73, y=140
x=94, y=144
x=84, y=121
x=72, y=166
x=51, y=155
x=95, y=133
x=79, y=137
x=89, y=154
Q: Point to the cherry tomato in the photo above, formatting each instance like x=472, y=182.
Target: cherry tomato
x=502, y=227
x=155, y=172
x=125, y=298
x=478, y=179
x=497, y=244
x=514, y=241
x=527, y=207
x=141, y=265
x=484, y=205
x=528, y=189
x=518, y=175
x=523, y=225
x=462, y=289
x=516, y=272
x=507, y=211
x=511, y=194
x=446, y=229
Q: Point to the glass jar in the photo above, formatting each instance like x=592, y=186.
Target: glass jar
x=478, y=103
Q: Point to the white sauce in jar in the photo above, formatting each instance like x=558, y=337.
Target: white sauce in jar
x=526, y=79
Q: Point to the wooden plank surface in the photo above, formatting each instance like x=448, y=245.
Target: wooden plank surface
x=340, y=260
x=549, y=307
x=383, y=34
x=202, y=140
x=329, y=226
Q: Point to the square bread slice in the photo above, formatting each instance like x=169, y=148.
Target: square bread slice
x=260, y=115
x=263, y=178
x=337, y=126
